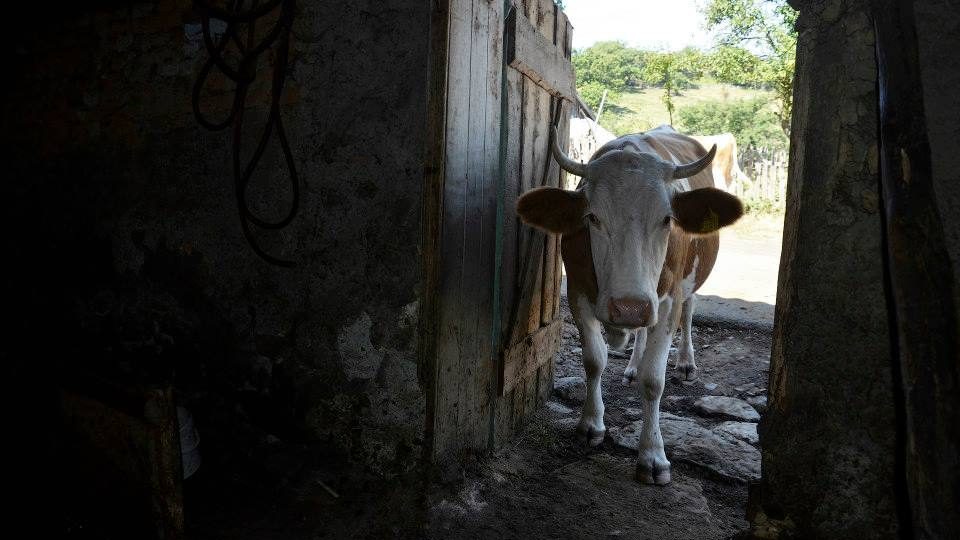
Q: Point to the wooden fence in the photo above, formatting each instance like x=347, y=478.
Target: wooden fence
x=766, y=176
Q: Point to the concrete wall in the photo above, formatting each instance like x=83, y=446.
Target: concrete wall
x=125, y=226
x=828, y=433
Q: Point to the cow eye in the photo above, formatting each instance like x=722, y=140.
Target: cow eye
x=594, y=219
x=667, y=220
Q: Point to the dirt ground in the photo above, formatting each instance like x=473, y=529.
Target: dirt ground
x=749, y=260
x=549, y=484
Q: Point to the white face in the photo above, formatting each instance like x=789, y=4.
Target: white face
x=629, y=218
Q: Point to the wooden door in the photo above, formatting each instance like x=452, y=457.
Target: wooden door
x=539, y=78
x=489, y=324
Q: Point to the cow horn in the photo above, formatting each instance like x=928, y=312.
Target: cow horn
x=567, y=164
x=690, y=169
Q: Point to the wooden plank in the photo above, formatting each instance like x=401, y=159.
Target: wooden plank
x=535, y=55
x=564, y=36
x=503, y=424
x=528, y=178
x=919, y=279
x=528, y=8
x=488, y=354
x=536, y=288
x=523, y=359
x=529, y=385
x=431, y=222
x=476, y=363
x=547, y=23
x=510, y=265
x=454, y=338
x=545, y=380
x=558, y=277
x=561, y=39
x=540, y=165
x=549, y=282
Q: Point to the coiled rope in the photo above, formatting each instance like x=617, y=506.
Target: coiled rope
x=243, y=74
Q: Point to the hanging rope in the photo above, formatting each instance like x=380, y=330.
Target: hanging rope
x=243, y=74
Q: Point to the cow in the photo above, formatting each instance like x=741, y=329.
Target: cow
x=726, y=168
x=639, y=237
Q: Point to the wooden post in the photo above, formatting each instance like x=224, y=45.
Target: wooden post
x=919, y=281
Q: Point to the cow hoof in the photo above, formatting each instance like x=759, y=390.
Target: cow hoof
x=618, y=339
x=593, y=437
x=630, y=376
x=688, y=373
x=651, y=473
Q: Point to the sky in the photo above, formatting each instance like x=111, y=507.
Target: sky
x=645, y=24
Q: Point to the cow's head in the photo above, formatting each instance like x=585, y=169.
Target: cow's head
x=629, y=201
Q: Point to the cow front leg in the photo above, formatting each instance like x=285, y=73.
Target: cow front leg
x=630, y=374
x=686, y=365
x=591, y=425
x=652, y=464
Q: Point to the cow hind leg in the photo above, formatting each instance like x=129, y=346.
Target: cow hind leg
x=686, y=366
x=631, y=373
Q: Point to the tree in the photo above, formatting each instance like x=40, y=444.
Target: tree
x=736, y=65
x=750, y=121
x=609, y=65
x=673, y=71
x=768, y=27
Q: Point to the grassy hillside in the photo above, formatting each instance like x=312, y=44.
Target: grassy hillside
x=642, y=110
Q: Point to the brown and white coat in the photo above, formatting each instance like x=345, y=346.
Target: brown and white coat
x=639, y=238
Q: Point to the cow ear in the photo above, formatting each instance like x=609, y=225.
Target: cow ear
x=553, y=210
x=703, y=211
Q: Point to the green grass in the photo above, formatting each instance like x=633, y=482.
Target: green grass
x=642, y=110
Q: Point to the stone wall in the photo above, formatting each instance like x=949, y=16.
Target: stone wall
x=130, y=256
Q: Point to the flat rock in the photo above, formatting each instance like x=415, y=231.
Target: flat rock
x=559, y=408
x=758, y=402
x=725, y=406
x=570, y=388
x=745, y=431
x=685, y=440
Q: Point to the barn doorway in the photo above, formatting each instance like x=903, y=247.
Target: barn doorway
x=402, y=382
x=549, y=472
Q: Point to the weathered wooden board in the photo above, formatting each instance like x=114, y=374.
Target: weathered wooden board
x=538, y=281
x=523, y=359
x=510, y=259
x=534, y=54
x=490, y=372
x=465, y=371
